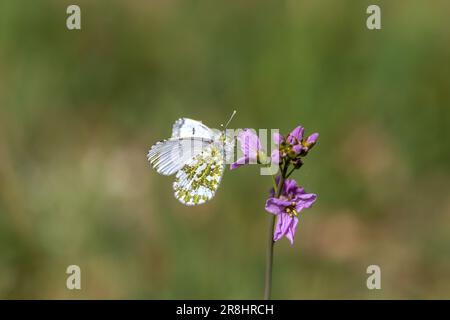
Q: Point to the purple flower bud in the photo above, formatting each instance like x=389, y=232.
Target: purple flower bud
x=297, y=148
x=297, y=163
x=296, y=135
x=312, y=139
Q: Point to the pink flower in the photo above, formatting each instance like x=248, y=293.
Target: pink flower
x=250, y=146
x=293, y=146
x=293, y=199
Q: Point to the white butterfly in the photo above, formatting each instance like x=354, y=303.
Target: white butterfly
x=197, y=154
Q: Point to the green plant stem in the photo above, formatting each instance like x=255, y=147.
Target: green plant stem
x=269, y=259
x=290, y=172
x=270, y=241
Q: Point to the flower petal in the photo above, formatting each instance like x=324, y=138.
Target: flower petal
x=239, y=163
x=297, y=148
x=296, y=135
x=290, y=187
x=249, y=142
x=275, y=156
x=305, y=201
x=291, y=230
x=312, y=139
x=283, y=223
x=278, y=233
x=277, y=138
x=275, y=205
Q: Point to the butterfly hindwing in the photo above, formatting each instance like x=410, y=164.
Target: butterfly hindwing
x=197, y=181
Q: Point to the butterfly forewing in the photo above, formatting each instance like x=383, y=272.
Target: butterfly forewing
x=188, y=128
x=197, y=181
x=169, y=156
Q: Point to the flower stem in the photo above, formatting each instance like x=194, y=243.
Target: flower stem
x=290, y=172
x=275, y=186
x=270, y=241
x=269, y=259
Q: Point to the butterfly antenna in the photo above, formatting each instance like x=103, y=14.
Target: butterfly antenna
x=229, y=120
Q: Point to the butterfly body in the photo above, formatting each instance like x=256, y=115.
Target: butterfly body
x=197, y=156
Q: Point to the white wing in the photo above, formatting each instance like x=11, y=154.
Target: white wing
x=188, y=128
x=169, y=156
x=197, y=181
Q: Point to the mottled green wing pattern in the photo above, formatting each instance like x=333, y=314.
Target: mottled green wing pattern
x=197, y=181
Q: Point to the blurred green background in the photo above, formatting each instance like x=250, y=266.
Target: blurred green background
x=80, y=109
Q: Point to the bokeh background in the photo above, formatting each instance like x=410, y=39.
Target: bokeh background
x=80, y=109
